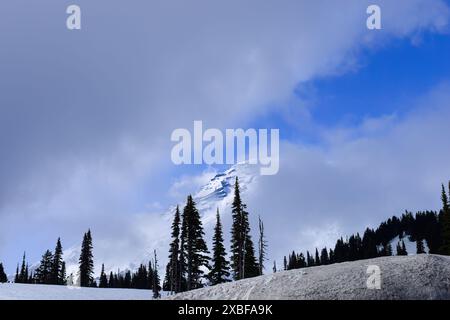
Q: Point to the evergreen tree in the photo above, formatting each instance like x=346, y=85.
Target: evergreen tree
x=194, y=246
x=22, y=276
x=111, y=283
x=317, y=260
x=3, y=277
x=156, y=284
x=285, y=264
x=243, y=260
x=55, y=276
x=16, y=278
x=324, y=258
x=405, y=253
x=419, y=246
x=445, y=223
x=219, y=270
x=172, y=281
x=43, y=274
x=86, y=261
x=62, y=275
x=103, y=279
x=262, y=246
x=274, y=269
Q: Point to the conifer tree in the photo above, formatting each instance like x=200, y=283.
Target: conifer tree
x=103, y=279
x=274, y=269
x=194, y=246
x=404, y=251
x=16, y=278
x=317, y=260
x=419, y=246
x=324, y=259
x=62, y=275
x=219, y=272
x=156, y=280
x=243, y=260
x=86, y=261
x=3, y=277
x=262, y=247
x=57, y=264
x=285, y=264
x=445, y=223
x=172, y=281
x=43, y=273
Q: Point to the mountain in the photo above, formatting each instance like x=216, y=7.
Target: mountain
x=217, y=193
x=422, y=277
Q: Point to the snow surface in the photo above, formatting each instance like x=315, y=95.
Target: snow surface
x=421, y=277
x=16, y=291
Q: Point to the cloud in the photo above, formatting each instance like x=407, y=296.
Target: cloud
x=359, y=179
x=85, y=117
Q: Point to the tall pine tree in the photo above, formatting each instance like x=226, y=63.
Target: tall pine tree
x=262, y=246
x=445, y=223
x=86, y=261
x=194, y=246
x=172, y=280
x=56, y=277
x=243, y=261
x=219, y=268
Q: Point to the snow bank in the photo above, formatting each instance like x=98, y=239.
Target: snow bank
x=13, y=291
x=406, y=277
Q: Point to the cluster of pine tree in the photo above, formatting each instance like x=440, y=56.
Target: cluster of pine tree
x=51, y=269
x=146, y=277
x=430, y=227
x=189, y=256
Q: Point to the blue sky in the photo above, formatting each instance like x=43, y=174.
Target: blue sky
x=86, y=116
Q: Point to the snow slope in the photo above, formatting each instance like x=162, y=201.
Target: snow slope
x=407, y=277
x=15, y=291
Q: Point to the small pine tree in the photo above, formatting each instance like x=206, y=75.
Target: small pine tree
x=86, y=261
x=274, y=269
x=219, y=270
x=262, y=246
x=419, y=246
x=3, y=277
x=156, y=280
x=103, y=279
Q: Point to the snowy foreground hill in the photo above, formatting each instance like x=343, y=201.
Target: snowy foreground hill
x=406, y=277
x=422, y=277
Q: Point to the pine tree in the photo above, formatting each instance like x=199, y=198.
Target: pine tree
x=16, y=278
x=243, y=260
x=219, y=270
x=86, y=261
x=57, y=264
x=317, y=260
x=194, y=246
x=22, y=276
x=103, y=279
x=3, y=277
x=262, y=246
x=43, y=274
x=285, y=264
x=274, y=269
x=324, y=258
x=445, y=223
x=419, y=246
x=172, y=280
x=405, y=253
x=156, y=284
x=62, y=278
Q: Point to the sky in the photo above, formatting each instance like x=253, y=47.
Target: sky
x=86, y=115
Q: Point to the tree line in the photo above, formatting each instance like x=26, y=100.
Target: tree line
x=426, y=227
